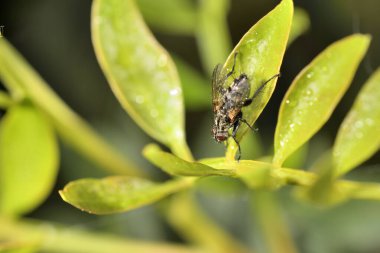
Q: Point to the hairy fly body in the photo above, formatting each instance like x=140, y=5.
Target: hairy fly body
x=228, y=103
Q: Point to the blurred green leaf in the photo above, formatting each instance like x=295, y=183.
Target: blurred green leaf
x=23, y=81
x=359, y=135
x=212, y=32
x=117, y=194
x=315, y=92
x=141, y=73
x=168, y=16
x=300, y=24
x=260, y=54
x=176, y=166
x=196, y=89
x=28, y=160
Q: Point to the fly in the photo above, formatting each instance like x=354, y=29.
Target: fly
x=229, y=101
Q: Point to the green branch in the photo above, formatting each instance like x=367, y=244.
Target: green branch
x=20, y=78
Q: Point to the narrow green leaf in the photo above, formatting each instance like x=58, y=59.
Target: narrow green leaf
x=359, y=135
x=168, y=16
x=141, y=73
x=179, y=167
x=315, y=92
x=117, y=194
x=28, y=160
x=260, y=54
x=300, y=24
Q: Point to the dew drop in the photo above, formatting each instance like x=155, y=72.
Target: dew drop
x=359, y=135
x=162, y=60
x=309, y=75
x=173, y=92
x=359, y=124
x=369, y=122
x=139, y=99
x=154, y=113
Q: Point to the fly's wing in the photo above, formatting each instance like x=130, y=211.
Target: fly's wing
x=217, y=87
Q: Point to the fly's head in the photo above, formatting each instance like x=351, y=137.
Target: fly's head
x=220, y=128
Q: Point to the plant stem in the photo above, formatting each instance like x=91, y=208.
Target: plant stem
x=275, y=231
x=212, y=33
x=49, y=237
x=190, y=222
x=17, y=74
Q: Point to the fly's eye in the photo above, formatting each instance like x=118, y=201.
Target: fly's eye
x=221, y=137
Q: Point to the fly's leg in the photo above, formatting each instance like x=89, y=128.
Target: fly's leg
x=239, y=118
x=233, y=135
x=233, y=68
x=257, y=92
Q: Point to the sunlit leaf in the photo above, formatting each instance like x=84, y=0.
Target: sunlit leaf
x=260, y=54
x=117, y=194
x=28, y=160
x=141, y=73
x=168, y=16
x=176, y=166
x=359, y=135
x=315, y=92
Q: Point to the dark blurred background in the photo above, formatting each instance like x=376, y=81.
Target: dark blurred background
x=54, y=36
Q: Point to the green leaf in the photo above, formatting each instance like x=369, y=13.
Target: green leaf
x=260, y=54
x=179, y=167
x=117, y=194
x=359, y=135
x=28, y=160
x=315, y=92
x=300, y=24
x=168, y=16
x=141, y=73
